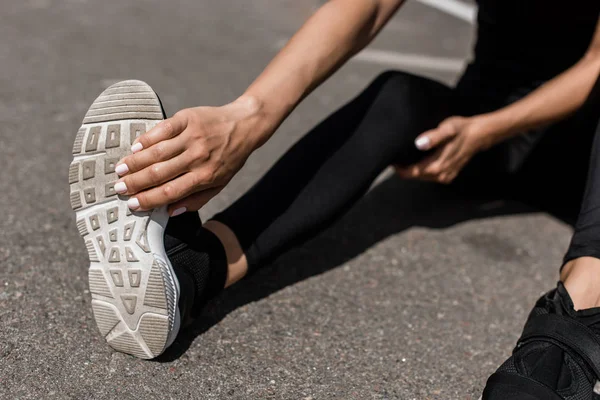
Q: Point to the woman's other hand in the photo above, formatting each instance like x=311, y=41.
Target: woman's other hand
x=455, y=141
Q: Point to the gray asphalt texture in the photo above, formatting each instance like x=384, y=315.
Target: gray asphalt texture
x=415, y=294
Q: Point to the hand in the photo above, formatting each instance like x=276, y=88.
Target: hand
x=187, y=159
x=456, y=140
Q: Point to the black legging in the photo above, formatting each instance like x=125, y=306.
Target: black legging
x=331, y=167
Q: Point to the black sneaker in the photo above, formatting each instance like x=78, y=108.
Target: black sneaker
x=557, y=356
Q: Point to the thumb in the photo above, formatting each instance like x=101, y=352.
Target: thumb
x=193, y=202
x=434, y=137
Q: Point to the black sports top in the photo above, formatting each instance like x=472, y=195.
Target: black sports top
x=534, y=38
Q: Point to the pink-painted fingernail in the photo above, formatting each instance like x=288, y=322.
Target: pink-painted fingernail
x=422, y=143
x=122, y=169
x=133, y=203
x=120, y=187
x=136, y=147
x=179, y=211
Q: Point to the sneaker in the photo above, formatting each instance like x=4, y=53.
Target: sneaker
x=557, y=356
x=135, y=291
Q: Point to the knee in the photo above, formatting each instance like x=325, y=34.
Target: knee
x=397, y=83
x=392, y=77
x=402, y=90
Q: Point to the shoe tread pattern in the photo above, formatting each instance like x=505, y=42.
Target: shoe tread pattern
x=131, y=300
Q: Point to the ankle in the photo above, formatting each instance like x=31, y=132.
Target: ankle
x=237, y=265
x=581, y=278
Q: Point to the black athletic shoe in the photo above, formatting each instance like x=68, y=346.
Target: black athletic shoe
x=557, y=356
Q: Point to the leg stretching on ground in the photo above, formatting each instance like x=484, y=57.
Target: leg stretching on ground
x=331, y=167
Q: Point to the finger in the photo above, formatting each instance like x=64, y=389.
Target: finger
x=457, y=167
x=434, y=137
x=193, y=202
x=423, y=142
x=403, y=172
x=430, y=165
x=445, y=178
x=161, y=151
x=434, y=169
x=426, y=169
x=167, y=193
x=152, y=176
x=452, y=168
x=450, y=163
x=423, y=176
x=443, y=160
x=165, y=130
x=450, y=178
x=417, y=171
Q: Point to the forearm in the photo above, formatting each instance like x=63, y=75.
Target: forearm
x=553, y=101
x=338, y=30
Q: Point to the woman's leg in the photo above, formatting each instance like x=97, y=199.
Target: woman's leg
x=557, y=351
x=330, y=168
x=581, y=271
x=562, y=175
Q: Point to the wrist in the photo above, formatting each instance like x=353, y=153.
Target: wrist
x=489, y=130
x=275, y=102
x=260, y=122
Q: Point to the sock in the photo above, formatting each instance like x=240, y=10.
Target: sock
x=197, y=256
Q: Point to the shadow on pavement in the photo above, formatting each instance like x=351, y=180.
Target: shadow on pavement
x=384, y=211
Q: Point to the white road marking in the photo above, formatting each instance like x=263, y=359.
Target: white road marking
x=458, y=9
x=401, y=60
x=417, y=61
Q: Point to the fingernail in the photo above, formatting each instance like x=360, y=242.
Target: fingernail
x=133, y=203
x=422, y=143
x=179, y=211
x=122, y=169
x=120, y=187
x=136, y=147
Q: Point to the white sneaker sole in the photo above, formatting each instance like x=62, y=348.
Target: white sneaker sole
x=134, y=288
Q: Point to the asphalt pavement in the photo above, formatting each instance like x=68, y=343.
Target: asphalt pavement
x=414, y=294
